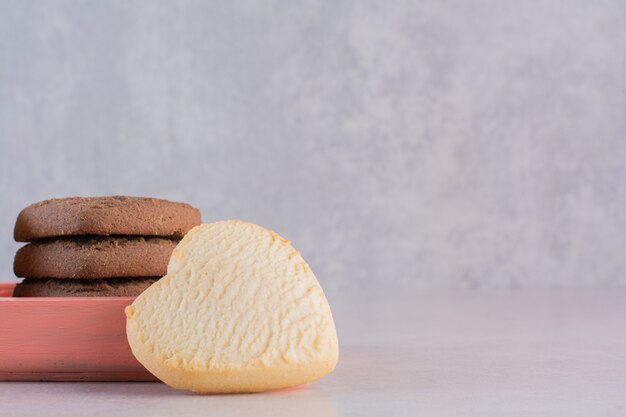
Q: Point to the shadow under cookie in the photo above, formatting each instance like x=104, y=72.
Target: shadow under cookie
x=76, y=287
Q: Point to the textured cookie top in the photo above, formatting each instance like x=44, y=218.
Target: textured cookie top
x=239, y=310
x=114, y=215
x=94, y=257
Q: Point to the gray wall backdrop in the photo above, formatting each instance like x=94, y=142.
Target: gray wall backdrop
x=468, y=144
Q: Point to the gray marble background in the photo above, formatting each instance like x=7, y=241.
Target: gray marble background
x=469, y=144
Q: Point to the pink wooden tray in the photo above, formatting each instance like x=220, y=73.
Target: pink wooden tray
x=65, y=339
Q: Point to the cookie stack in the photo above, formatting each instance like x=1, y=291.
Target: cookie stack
x=97, y=246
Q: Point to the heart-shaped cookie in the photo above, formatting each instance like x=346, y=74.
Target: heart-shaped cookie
x=238, y=311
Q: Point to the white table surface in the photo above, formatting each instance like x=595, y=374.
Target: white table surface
x=496, y=353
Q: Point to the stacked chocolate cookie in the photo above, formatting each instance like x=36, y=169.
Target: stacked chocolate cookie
x=97, y=246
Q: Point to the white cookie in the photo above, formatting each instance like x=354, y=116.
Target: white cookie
x=238, y=311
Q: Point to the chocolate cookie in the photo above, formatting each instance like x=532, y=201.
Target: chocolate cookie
x=105, y=287
x=104, y=216
x=94, y=257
